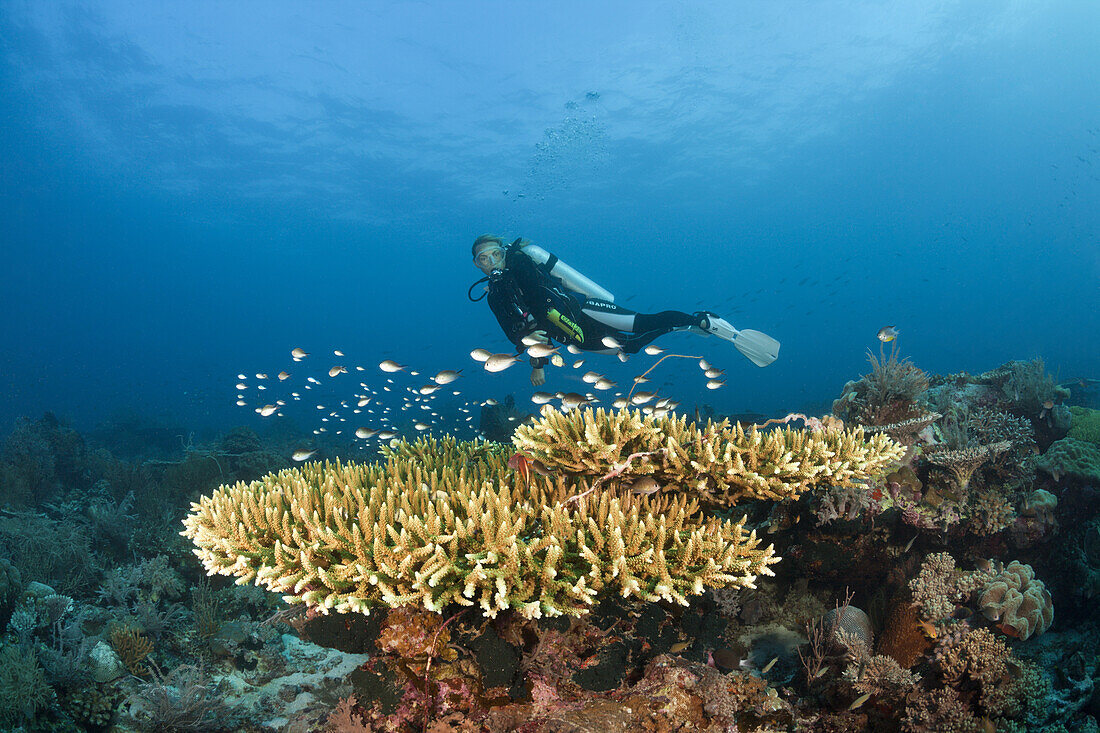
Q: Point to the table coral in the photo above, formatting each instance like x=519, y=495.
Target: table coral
x=1019, y=601
x=718, y=463
x=444, y=522
x=962, y=463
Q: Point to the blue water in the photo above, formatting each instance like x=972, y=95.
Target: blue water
x=190, y=190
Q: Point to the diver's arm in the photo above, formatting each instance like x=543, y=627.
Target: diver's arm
x=525, y=271
x=511, y=321
x=527, y=276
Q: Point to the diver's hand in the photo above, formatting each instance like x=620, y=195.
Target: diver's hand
x=538, y=376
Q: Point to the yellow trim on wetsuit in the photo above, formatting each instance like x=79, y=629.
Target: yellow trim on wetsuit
x=567, y=325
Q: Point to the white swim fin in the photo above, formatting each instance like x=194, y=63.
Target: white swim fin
x=759, y=348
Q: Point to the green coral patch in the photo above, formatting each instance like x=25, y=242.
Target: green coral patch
x=1072, y=457
x=1086, y=425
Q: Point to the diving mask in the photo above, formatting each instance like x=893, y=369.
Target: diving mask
x=490, y=258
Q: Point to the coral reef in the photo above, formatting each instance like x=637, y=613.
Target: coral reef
x=1026, y=387
x=132, y=648
x=885, y=397
x=23, y=686
x=964, y=462
x=1019, y=601
x=718, y=463
x=1074, y=458
x=1085, y=425
x=905, y=637
x=498, y=421
x=673, y=612
x=442, y=522
x=39, y=458
x=940, y=587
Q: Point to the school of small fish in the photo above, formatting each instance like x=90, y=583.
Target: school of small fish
x=372, y=405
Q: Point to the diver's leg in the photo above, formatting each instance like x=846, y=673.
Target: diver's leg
x=664, y=321
x=648, y=326
x=624, y=319
x=642, y=327
x=609, y=314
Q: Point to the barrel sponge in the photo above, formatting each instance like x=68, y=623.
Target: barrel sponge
x=1072, y=457
x=1085, y=425
x=1019, y=601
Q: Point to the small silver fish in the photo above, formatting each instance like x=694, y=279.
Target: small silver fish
x=299, y=353
x=715, y=383
x=480, y=354
x=640, y=398
x=500, y=362
x=888, y=333
x=572, y=400
x=283, y=376
x=541, y=398
x=267, y=410
x=645, y=486
x=620, y=403
x=301, y=455
x=653, y=350
x=704, y=364
x=428, y=388
x=611, y=342
x=540, y=350
x=767, y=667
x=557, y=361
x=337, y=370
x=578, y=363
x=572, y=349
x=389, y=365
x=591, y=377
x=421, y=426
x=387, y=434
x=603, y=383
x=713, y=373
x=446, y=376
x=337, y=352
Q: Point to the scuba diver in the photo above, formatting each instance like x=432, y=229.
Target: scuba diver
x=533, y=294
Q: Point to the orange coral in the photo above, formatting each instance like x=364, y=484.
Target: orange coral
x=132, y=647
x=903, y=636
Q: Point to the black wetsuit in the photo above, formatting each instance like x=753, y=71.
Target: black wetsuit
x=524, y=297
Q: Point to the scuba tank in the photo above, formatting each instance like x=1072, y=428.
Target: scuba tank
x=570, y=278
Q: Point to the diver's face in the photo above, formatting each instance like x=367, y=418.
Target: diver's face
x=489, y=258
